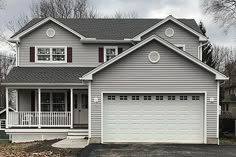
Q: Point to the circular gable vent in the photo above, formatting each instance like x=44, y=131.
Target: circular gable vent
x=169, y=32
x=51, y=32
x=154, y=57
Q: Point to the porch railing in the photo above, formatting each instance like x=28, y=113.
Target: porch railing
x=47, y=119
x=2, y=124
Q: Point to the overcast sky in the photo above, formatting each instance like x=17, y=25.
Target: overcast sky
x=143, y=8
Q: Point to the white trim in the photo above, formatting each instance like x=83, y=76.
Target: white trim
x=71, y=107
x=218, y=109
x=158, y=92
x=46, y=84
x=105, y=52
x=219, y=76
x=89, y=109
x=181, y=45
x=7, y=109
x=17, y=99
x=50, y=87
x=30, y=130
x=102, y=117
x=39, y=107
x=17, y=37
x=205, y=118
x=50, y=53
x=171, y=18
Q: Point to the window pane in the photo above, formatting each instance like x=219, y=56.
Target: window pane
x=45, y=98
x=84, y=100
x=111, y=51
x=45, y=107
x=44, y=57
x=58, y=97
x=44, y=51
x=58, y=54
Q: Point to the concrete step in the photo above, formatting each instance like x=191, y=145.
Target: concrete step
x=77, y=133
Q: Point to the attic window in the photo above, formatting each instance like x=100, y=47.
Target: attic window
x=169, y=32
x=50, y=32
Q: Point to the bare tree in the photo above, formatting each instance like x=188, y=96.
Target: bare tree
x=223, y=11
x=6, y=63
x=17, y=23
x=62, y=9
x=121, y=15
x=221, y=56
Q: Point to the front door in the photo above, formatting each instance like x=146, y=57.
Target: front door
x=83, y=111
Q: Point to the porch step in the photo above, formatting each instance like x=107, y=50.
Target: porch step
x=77, y=133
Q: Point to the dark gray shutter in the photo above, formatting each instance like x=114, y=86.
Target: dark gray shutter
x=100, y=55
x=69, y=54
x=32, y=54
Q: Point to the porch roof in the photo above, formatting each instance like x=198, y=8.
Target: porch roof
x=46, y=74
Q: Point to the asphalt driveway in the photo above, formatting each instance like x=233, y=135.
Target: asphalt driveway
x=158, y=150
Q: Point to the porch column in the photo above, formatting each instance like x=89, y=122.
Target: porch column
x=7, y=109
x=71, y=106
x=39, y=105
x=17, y=103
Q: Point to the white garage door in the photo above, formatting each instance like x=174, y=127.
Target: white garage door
x=167, y=118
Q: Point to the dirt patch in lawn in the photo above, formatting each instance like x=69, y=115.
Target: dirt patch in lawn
x=36, y=149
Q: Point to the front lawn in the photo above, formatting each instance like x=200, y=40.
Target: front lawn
x=35, y=149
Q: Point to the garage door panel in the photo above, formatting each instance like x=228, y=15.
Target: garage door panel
x=178, y=121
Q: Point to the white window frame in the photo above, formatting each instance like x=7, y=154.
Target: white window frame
x=180, y=45
x=51, y=99
x=109, y=47
x=50, y=61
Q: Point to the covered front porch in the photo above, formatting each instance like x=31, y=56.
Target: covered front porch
x=48, y=107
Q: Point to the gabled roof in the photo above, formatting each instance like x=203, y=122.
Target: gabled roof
x=219, y=76
x=109, y=29
x=46, y=75
x=178, y=22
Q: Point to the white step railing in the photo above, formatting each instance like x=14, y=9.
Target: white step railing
x=2, y=124
x=47, y=119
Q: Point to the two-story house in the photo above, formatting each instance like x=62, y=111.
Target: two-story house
x=113, y=80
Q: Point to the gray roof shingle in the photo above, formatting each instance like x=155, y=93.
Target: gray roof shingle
x=46, y=74
x=113, y=29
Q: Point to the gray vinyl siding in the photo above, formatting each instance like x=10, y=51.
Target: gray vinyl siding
x=172, y=73
x=84, y=55
x=181, y=36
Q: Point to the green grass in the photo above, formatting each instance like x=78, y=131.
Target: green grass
x=4, y=141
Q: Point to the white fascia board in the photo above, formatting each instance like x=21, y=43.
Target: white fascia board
x=219, y=76
x=17, y=37
x=201, y=37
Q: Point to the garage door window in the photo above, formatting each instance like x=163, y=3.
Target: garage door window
x=183, y=97
x=171, y=97
x=147, y=97
x=123, y=98
x=159, y=98
x=135, y=97
x=111, y=97
x=195, y=97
